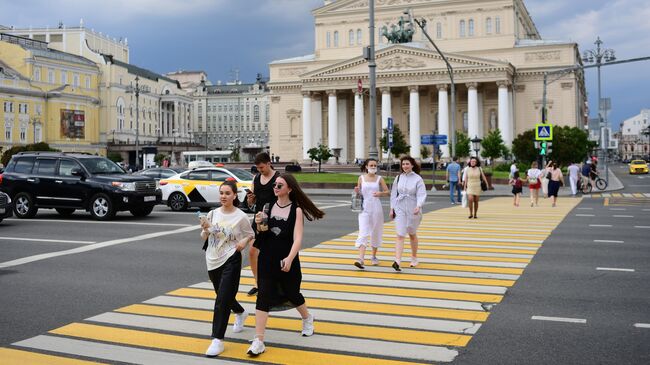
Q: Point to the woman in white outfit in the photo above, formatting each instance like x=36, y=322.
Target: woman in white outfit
x=371, y=218
x=406, y=200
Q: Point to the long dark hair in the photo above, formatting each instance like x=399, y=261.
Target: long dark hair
x=478, y=162
x=233, y=186
x=416, y=166
x=364, y=167
x=296, y=195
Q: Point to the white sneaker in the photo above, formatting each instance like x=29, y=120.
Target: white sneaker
x=414, y=262
x=374, y=261
x=216, y=347
x=308, y=326
x=256, y=348
x=240, y=318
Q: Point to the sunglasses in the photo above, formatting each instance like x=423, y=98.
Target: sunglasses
x=278, y=186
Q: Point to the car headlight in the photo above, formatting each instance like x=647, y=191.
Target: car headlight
x=126, y=186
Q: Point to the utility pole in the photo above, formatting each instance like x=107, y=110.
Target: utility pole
x=372, y=68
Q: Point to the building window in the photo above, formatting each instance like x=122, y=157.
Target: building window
x=470, y=27
x=488, y=26
x=64, y=77
x=23, y=133
x=465, y=122
x=50, y=75
x=87, y=81
x=256, y=113
x=9, y=107
x=75, y=80
x=37, y=74
x=7, y=131
x=336, y=38
x=438, y=30
x=351, y=37
x=22, y=108
x=328, y=41
x=268, y=112
x=497, y=25
x=359, y=36
x=462, y=28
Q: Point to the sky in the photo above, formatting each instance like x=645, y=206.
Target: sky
x=219, y=36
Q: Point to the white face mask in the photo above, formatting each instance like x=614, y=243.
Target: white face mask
x=372, y=170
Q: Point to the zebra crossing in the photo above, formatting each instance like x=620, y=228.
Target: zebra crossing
x=373, y=316
x=641, y=196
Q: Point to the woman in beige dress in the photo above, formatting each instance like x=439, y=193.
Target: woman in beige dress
x=472, y=185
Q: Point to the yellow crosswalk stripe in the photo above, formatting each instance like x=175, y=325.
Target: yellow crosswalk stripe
x=467, y=241
x=442, y=248
x=193, y=345
x=20, y=357
x=322, y=327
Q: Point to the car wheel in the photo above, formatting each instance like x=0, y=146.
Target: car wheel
x=24, y=206
x=141, y=212
x=177, y=202
x=101, y=207
x=65, y=211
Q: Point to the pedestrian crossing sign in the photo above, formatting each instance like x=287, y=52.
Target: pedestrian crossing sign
x=543, y=132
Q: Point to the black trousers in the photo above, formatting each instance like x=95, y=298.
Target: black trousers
x=225, y=280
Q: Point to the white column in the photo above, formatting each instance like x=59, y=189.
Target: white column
x=332, y=120
x=472, y=110
x=511, y=120
x=359, y=137
x=414, y=121
x=317, y=118
x=306, y=125
x=443, y=117
x=343, y=129
x=386, y=112
x=481, y=116
x=504, y=113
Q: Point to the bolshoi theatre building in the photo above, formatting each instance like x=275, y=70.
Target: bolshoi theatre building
x=498, y=56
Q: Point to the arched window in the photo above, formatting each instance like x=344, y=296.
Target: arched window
x=439, y=30
x=256, y=113
x=497, y=25
x=465, y=122
x=462, y=28
x=359, y=36
x=336, y=38
x=351, y=37
x=471, y=27
x=328, y=41
x=488, y=26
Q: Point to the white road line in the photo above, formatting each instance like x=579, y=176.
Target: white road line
x=325, y=342
x=622, y=216
x=99, y=222
x=585, y=215
x=459, y=252
x=628, y=195
x=647, y=195
x=617, y=209
x=606, y=195
x=45, y=240
x=115, y=353
x=646, y=210
x=641, y=226
x=334, y=206
x=559, y=319
x=94, y=246
x=385, y=257
x=600, y=225
x=586, y=208
x=613, y=269
x=360, y=318
x=609, y=241
x=642, y=325
x=448, y=244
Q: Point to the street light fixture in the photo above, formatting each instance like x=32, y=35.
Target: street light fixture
x=476, y=144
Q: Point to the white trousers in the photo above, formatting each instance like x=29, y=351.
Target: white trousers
x=574, y=184
x=371, y=227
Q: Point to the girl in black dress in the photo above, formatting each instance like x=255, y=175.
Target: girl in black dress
x=279, y=275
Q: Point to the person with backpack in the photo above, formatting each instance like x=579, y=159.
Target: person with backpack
x=517, y=186
x=534, y=175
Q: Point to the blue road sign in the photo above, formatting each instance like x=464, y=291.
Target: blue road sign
x=390, y=124
x=390, y=140
x=439, y=139
x=543, y=132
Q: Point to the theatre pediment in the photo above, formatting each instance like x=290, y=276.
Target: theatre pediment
x=347, y=5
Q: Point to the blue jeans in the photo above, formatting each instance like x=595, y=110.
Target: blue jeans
x=454, y=185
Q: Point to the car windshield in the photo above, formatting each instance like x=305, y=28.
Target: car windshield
x=101, y=166
x=242, y=174
x=638, y=162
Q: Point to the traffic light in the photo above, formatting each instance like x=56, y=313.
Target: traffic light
x=543, y=149
x=549, y=148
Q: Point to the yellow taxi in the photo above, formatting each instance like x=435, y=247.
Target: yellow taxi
x=638, y=167
x=200, y=187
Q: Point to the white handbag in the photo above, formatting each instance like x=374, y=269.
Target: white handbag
x=464, y=199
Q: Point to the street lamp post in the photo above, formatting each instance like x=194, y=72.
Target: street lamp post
x=174, y=131
x=372, y=76
x=598, y=55
x=476, y=144
x=137, y=90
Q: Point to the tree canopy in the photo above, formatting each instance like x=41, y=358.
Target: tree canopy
x=399, y=142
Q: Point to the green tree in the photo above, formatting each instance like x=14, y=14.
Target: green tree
x=235, y=154
x=523, y=147
x=320, y=154
x=424, y=152
x=399, y=142
x=41, y=146
x=114, y=156
x=493, y=146
x=160, y=157
x=462, y=145
x=570, y=144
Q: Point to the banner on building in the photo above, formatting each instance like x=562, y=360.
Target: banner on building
x=73, y=123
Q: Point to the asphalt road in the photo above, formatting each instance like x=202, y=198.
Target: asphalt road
x=632, y=183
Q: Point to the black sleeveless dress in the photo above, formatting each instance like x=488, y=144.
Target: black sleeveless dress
x=278, y=290
x=263, y=195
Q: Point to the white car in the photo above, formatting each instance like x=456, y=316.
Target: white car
x=200, y=187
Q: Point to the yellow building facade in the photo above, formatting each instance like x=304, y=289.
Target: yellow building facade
x=48, y=96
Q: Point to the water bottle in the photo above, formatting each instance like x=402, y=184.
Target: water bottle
x=265, y=218
x=356, y=202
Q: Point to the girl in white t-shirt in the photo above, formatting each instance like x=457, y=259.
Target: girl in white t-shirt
x=534, y=176
x=226, y=231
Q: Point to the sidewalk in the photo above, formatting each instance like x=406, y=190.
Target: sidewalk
x=498, y=190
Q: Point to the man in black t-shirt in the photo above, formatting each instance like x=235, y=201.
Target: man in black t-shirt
x=261, y=195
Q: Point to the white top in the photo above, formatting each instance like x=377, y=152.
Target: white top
x=574, y=171
x=534, y=174
x=411, y=189
x=227, y=230
x=513, y=168
x=371, y=203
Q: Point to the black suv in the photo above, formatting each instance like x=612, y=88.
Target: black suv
x=70, y=181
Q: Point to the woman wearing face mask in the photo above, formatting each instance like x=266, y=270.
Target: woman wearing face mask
x=406, y=200
x=371, y=218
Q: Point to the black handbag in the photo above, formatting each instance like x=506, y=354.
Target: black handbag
x=484, y=186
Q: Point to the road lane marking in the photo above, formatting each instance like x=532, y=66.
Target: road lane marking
x=641, y=226
x=617, y=209
x=46, y=240
x=600, y=225
x=98, y=222
x=94, y=246
x=609, y=241
x=642, y=325
x=585, y=215
x=559, y=319
x=622, y=216
x=585, y=208
x=614, y=269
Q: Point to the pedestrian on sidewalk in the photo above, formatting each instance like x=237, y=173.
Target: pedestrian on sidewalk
x=406, y=200
x=279, y=274
x=574, y=175
x=226, y=231
x=472, y=185
x=453, y=177
x=513, y=169
x=517, y=187
x=534, y=175
x=257, y=198
x=555, y=180
x=371, y=218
